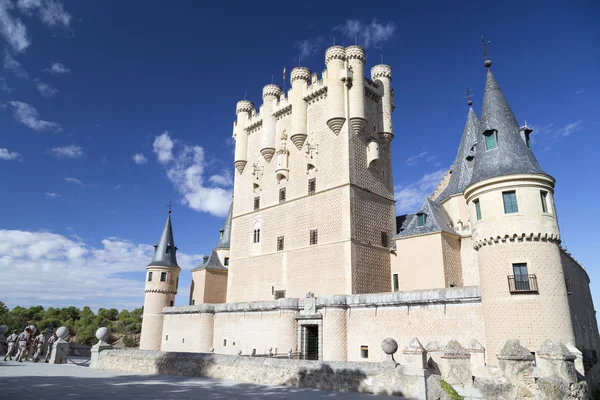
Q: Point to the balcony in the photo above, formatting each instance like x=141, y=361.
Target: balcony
x=522, y=284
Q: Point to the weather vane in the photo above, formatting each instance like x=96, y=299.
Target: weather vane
x=468, y=96
x=169, y=205
x=484, y=46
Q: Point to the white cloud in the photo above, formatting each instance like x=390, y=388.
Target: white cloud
x=72, y=151
x=410, y=197
x=62, y=272
x=13, y=65
x=139, y=158
x=308, y=47
x=579, y=91
x=28, y=116
x=223, y=179
x=4, y=86
x=553, y=133
x=11, y=28
x=568, y=129
x=45, y=89
x=185, y=170
x=412, y=160
x=49, y=195
x=9, y=155
x=367, y=34
x=58, y=69
x=75, y=181
x=50, y=12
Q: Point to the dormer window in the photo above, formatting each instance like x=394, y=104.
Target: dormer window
x=491, y=139
x=528, y=140
x=421, y=217
x=168, y=249
x=221, y=234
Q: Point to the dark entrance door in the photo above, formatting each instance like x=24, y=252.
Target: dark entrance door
x=310, y=342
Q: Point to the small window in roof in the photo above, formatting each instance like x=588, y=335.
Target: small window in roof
x=421, y=219
x=491, y=139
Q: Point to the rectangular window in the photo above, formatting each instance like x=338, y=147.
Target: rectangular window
x=364, y=351
x=544, y=196
x=528, y=141
x=282, y=195
x=256, y=203
x=490, y=140
x=569, y=287
x=193, y=302
x=168, y=249
x=510, y=202
x=166, y=338
x=256, y=237
x=314, y=236
x=384, y=239
x=150, y=276
x=280, y=243
x=521, y=277
x=171, y=303
x=177, y=284
x=224, y=342
x=163, y=276
x=312, y=186
x=421, y=219
x=395, y=282
x=226, y=261
x=477, y=209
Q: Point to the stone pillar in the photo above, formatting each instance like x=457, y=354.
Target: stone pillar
x=477, y=352
x=434, y=357
x=102, y=334
x=335, y=343
x=60, y=351
x=415, y=354
x=516, y=364
x=206, y=331
x=554, y=360
x=578, y=358
x=455, y=364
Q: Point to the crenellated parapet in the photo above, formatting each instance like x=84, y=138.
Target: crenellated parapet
x=244, y=106
x=356, y=53
x=271, y=90
x=517, y=238
x=381, y=71
x=300, y=73
x=335, y=53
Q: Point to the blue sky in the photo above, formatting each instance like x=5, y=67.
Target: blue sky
x=104, y=106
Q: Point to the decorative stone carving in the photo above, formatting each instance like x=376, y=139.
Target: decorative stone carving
x=312, y=150
x=283, y=154
x=310, y=304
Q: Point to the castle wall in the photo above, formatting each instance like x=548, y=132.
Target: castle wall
x=452, y=260
x=209, y=286
x=419, y=262
x=470, y=265
x=187, y=332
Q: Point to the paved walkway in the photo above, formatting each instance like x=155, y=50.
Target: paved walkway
x=25, y=381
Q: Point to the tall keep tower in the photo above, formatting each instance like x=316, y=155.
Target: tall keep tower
x=314, y=188
x=162, y=280
x=515, y=232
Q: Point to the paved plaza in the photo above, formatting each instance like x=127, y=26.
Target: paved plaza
x=46, y=381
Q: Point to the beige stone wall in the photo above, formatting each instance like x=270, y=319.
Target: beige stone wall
x=452, y=260
x=188, y=332
x=158, y=296
x=335, y=330
x=458, y=211
x=470, y=265
x=583, y=314
x=209, y=286
x=419, y=262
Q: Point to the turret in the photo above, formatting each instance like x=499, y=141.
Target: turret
x=283, y=163
x=300, y=77
x=162, y=279
x=382, y=75
x=270, y=95
x=335, y=58
x=356, y=60
x=515, y=232
x=244, y=110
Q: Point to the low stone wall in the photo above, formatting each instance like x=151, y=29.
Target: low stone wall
x=376, y=378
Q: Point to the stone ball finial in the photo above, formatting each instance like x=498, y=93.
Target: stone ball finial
x=356, y=52
x=487, y=63
x=3, y=329
x=244, y=106
x=389, y=346
x=62, y=332
x=381, y=71
x=102, y=334
x=470, y=103
x=212, y=350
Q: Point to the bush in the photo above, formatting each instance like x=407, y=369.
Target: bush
x=450, y=390
x=131, y=341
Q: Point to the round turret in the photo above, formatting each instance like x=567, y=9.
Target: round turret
x=271, y=90
x=335, y=58
x=244, y=110
x=335, y=53
x=300, y=73
x=356, y=53
x=300, y=78
x=270, y=94
x=355, y=81
x=381, y=71
x=244, y=106
x=382, y=75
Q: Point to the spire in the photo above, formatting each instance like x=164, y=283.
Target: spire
x=462, y=169
x=225, y=236
x=164, y=251
x=506, y=152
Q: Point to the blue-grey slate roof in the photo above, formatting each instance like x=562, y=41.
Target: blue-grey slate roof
x=165, y=251
x=511, y=156
x=462, y=169
x=225, y=238
x=213, y=262
x=436, y=220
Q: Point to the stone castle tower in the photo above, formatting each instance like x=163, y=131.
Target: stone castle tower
x=313, y=209
x=162, y=280
x=515, y=232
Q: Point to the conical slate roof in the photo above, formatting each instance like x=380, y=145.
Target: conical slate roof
x=436, y=220
x=226, y=236
x=212, y=262
x=164, y=251
x=511, y=156
x=462, y=169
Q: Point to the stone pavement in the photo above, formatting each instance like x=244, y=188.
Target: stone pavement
x=27, y=381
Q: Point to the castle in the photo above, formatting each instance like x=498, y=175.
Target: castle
x=313, y=261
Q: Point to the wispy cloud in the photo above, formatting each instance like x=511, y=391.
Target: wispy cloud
x=11, y=28
x=553, y=133
x=28, y=116
x=412, y=160
x=371, y=34
x=75, y=181
x=9, y=155
x=139, y=158
x=224, y=179
x=50, y=12
x=58, y=69
x=51, y=196
x=4, y=86
x=410, y=197
x=308, y=47
x=45, y=89
x=185, y=167
x=580, y=91
x=13, y=65
x=72, y=151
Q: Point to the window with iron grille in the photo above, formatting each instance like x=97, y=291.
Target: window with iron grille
x=384, y=239
x=256, y=203
x=510, y=202
x=280, y=243
x=314, y=236
x=521, y=277
x=282, y=195
x=312, y=186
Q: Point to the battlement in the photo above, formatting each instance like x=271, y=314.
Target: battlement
x=271, y=90
x=381, y=71
x=244, y=106
x=302, y=73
